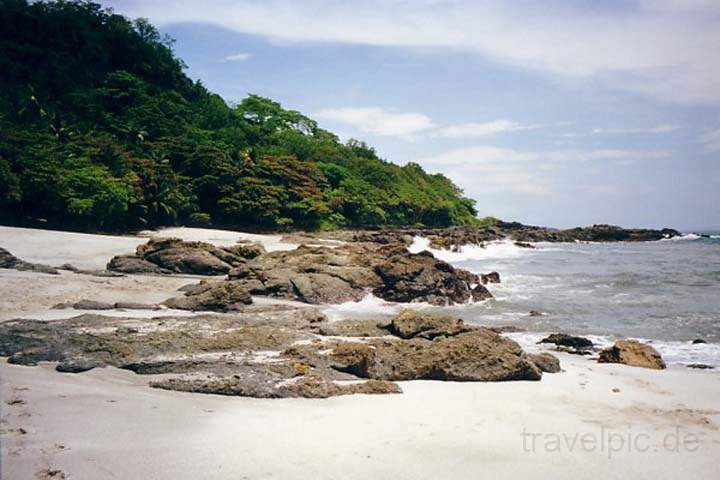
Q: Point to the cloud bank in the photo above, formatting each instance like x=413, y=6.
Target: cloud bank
x=658, y=48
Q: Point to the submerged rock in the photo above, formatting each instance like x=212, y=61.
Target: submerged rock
x=633, y=353
x=698, y=341
x=492, y=277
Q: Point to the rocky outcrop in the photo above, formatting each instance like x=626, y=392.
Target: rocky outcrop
x=478, y=355
x=8, y=260
x=270, y=351
x=212, y=296
x=354, y=328
x=633, y=353
x=172, y=255
x=347, y=273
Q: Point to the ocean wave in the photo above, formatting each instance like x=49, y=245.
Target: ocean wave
x=490, y=250
x=673, y=352
x=681, y=238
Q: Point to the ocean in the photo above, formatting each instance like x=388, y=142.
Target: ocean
x=665, y=292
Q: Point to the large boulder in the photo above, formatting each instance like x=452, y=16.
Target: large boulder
x=212, y=296
x=421, y=277
x=478, y=355
x=633, y=353
x=172, y=255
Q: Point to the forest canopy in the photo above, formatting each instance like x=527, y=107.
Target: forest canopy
x=100, y=129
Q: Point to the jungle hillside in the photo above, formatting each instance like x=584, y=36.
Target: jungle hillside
x=101, y=129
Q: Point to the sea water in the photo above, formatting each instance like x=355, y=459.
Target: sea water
x=665, y=292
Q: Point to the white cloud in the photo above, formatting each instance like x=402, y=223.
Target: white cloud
x=487, y=169
x=651, y=130
x=378, y=121
x=483, y=129
x=711, y=140
x=238, y=57
x=659, y=48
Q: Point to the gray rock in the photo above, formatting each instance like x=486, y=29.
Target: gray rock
x=220, y=296
x=546, y=362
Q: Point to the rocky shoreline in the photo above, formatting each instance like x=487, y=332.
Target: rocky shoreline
x=283, y=350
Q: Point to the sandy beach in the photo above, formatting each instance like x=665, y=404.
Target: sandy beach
x=590, y=420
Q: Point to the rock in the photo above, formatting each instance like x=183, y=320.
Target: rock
x=701, y=366
x=698, y=341
x=524, y=245
x=423, y=278
x=616, y=390
x=263, y=381
x=133, y=264
x=492, y=277
x=479, y=355
x=633, y=353
x=136, y=306
x=8, y=260
x=92, y=305
x=565, y=340
x=77, y=365
x=172, y=255
x=178, y=256
x=221, y=296
x=546, y=362
x=535, y=313
x=411, y=324
x=350, y=271
x=353, y=328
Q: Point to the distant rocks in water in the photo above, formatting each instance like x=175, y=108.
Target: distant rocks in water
x=221, y=296
x=546, y=362
x=596, y=233
x=698, y=341
x=633, y=353
x=492, y=277
x=701, y=366
x=565, y=340
x=172, y=255
x=525, y=245
x=535, y=313
x=8, y=260
x=274, y=351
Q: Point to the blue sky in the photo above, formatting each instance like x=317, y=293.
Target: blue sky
x=557, y=113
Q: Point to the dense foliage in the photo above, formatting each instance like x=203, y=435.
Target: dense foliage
x=101, y=129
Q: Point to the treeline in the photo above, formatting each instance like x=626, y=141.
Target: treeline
x=100, y=129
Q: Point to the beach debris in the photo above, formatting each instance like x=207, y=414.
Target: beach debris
x=633, y=353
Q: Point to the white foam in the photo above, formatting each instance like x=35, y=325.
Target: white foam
x=369, y=306
x=489, y=250
x=685, y=237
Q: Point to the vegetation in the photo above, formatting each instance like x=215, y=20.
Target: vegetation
x=100, y=129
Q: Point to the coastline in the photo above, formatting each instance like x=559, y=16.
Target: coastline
x=87, y=425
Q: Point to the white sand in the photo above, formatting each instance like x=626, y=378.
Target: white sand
x=108, y=424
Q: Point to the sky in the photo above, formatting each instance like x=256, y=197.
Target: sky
x=558, y=113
